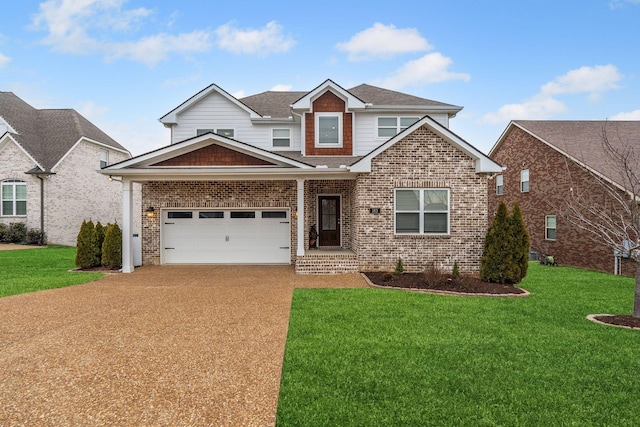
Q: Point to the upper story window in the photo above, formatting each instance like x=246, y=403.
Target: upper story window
x=524, y=180
x=391, y=126
x=422, y=211
x=14, y=198
x=104, y=158
x=281, y=137
x=500, y=184
x=328, y=130
x=550, y=227
x=228, y=132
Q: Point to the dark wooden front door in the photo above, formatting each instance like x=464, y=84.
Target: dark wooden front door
x=329, y=216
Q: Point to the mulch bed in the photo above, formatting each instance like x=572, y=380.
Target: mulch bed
x=619, y=320
x=469, y=285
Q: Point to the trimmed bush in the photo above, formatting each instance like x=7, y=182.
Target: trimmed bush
x=399, y=266
x=87, y=251
x=17, y=232
x=112, y=247
x=35, y=237
x=4, y=233
x=456, y=270
x=100, y=230
x=521, y=242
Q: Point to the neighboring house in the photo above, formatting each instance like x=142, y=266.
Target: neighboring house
x=377, y=173
x=545, y=161
x=48, y=164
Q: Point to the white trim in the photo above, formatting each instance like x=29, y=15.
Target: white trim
x=300, y=215
x=316, y=120
x=351, y=102
x=8, y=125
x=273, y=137
x=215, y=131
x=91, y=141
x=546, y=228
x=127, y=226
x=499, y=183
x=398, y=127
x=339, y=196
x=522, y=181
x=13, y=182
x=421, y=211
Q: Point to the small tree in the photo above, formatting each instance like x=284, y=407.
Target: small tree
x=520, y=241
x=399, y=266
x=498, y=263
x=100, y=230
x=87, y=251
x=112, y=247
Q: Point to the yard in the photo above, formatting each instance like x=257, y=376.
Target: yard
x=32, y=270
x=370, y=357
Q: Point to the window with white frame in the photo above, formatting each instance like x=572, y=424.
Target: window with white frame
x=391, y=126
x=524, y=180
x=550, y=227
x=328, y=129
x=500, y=184
x=422, y=211
x=228, y=132
x=104, y=158
x=14, y=198
x=281, y=137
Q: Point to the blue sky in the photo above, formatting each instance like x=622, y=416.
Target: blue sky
x=123, y=64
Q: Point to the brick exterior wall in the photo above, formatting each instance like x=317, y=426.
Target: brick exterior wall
x=76, y=192
x=212, y=194
x=551, y=177
x=214, y=155
x=421, y=160
x=346, y=190
x=329, y=103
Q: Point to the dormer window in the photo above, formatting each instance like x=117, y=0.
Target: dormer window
x=328, y=130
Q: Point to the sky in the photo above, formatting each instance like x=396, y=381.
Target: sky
x=125, y=63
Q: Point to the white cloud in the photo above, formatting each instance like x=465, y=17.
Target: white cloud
x=91, y=110
x=614, y=4
x=282, y=88
x=593, y=81
x=4, y=60
x=383, y=41
x=539, y=107
x=84, y=27
x=239, y=94
x=269, y=39
x=632, y=115
x=431, y=68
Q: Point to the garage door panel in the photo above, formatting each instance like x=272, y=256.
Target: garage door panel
x=226, y=236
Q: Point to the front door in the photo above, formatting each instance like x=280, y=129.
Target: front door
x=329, y=218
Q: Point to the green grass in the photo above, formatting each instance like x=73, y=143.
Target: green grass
x=30, y=270
x=372, y=357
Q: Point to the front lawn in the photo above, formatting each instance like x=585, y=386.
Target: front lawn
x=29, y=270
x=372, y=357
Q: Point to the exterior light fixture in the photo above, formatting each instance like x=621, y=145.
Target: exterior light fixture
x=151, y=212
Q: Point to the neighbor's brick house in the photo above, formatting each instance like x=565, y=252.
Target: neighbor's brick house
x=545, y=161
x=55, y=151
x=377, y=172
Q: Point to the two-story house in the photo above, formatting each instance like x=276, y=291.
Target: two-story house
x=377, y=174
x=48, y=164
x=547, y=162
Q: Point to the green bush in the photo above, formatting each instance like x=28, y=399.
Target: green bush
x=112, y=247
x=521, y=243
x=4, y=231
x=100, y=230
x=499, y=258
x=17, y=232
x=35, y=237
x=456, y=270
x=87, y=250
x=399, y=266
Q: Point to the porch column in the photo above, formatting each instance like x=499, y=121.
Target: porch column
x=127, y=216
x=300, y=217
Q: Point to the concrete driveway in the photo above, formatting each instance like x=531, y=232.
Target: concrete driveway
x=163, y=346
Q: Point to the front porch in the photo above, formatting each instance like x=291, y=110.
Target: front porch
x=334, y=260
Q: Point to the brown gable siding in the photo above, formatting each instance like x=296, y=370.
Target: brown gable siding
x=214, y=155
x=551, y=178
x=329, y=103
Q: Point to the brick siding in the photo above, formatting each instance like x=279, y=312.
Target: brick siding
x=551, y=177
x=421, y=160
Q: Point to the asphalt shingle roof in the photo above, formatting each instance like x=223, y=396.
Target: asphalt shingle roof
x=48, y=134
x=583, y=140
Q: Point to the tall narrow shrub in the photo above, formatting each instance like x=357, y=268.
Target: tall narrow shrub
x=112, y=247
x=521, y=242
x=87, y=251
x=496, y=264
x=100, y=230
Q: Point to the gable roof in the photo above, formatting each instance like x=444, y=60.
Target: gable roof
x=483, y=163
x=48, y=135
x=379, y=97
x=582, y=140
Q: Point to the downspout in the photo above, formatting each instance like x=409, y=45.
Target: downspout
x=41, y=175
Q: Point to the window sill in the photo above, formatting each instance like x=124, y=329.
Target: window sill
x=422, y=236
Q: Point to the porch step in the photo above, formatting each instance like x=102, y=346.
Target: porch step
x=327, y=262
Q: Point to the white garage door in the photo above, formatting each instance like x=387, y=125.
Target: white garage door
x=219, y=236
